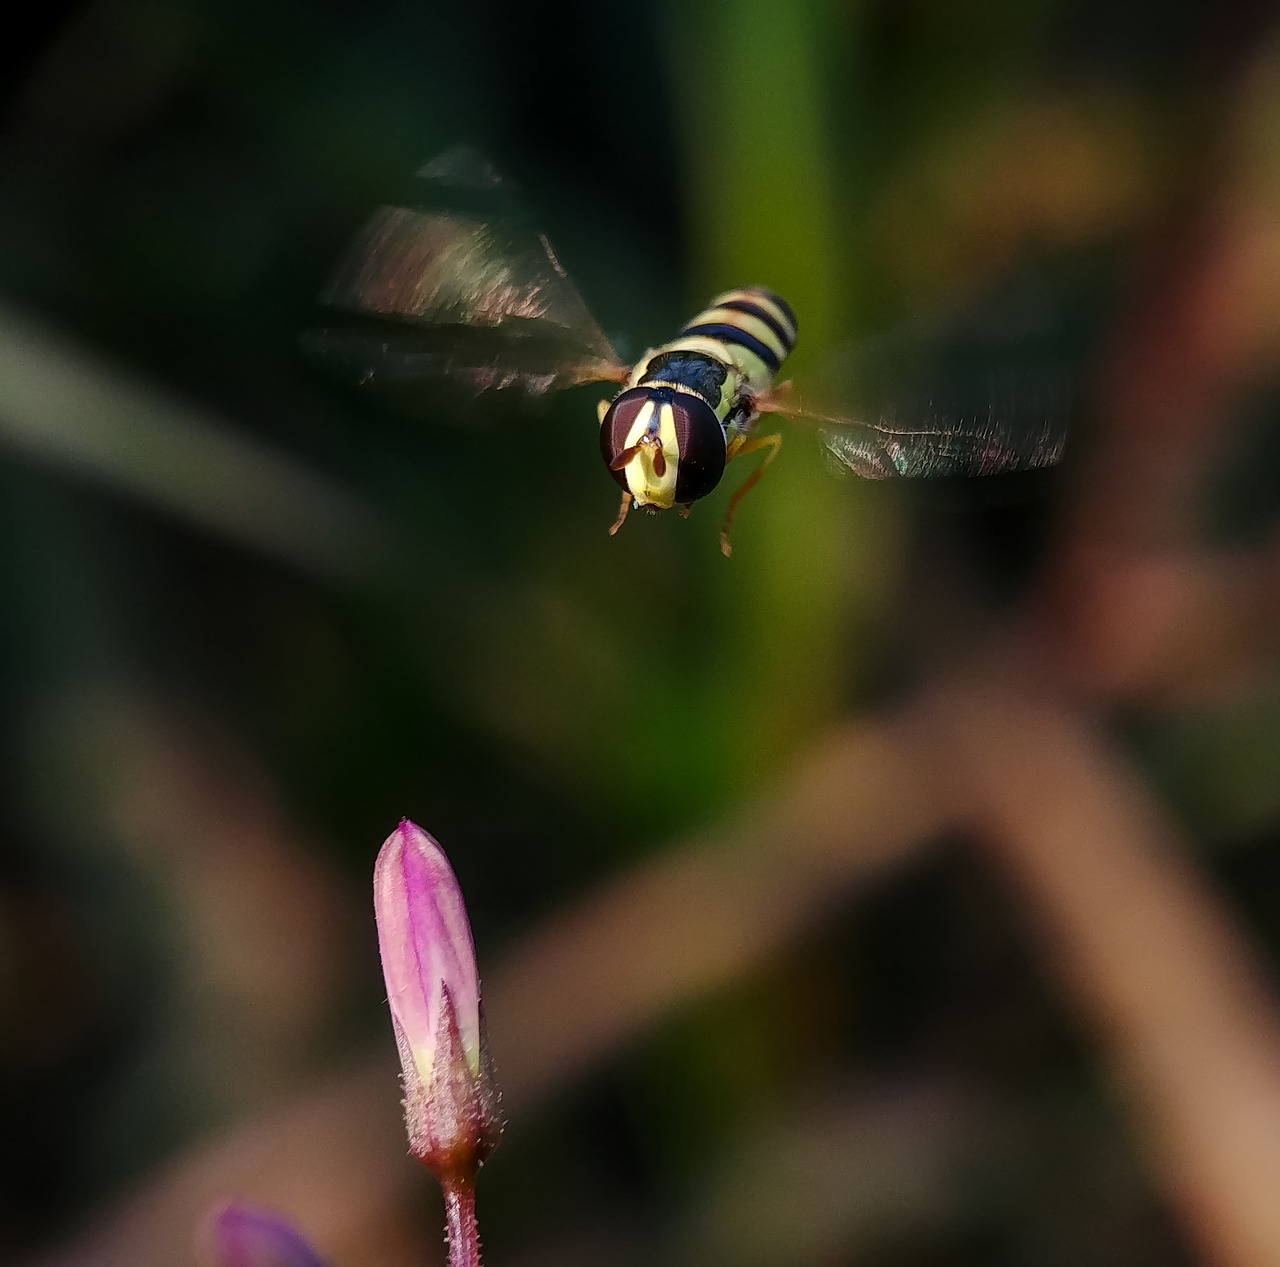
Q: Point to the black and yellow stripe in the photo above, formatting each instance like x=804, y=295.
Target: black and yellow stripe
x=754, y=320
x=728, y=354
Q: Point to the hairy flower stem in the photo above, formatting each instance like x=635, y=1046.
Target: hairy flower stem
x=460, y=1218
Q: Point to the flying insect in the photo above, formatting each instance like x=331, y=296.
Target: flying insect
x=464, y=290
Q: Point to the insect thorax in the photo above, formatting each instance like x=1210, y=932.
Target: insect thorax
x=704, y=375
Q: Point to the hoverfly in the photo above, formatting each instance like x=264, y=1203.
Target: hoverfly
x=463, y=290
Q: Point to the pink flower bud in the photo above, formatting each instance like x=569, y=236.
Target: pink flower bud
x=245, y=1236
x=433, y=989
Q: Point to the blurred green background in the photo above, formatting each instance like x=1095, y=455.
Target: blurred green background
x=250, y=618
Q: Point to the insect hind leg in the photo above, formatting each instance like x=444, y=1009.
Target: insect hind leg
x=738, y=447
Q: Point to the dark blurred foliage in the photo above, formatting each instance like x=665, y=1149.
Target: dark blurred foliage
x=276, y=617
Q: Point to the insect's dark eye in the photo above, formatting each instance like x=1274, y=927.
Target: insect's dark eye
x=666, y=415
x=617, y=427
x=700, y=439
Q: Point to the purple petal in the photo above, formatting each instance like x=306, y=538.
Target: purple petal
x=425, y=942
x=246, y=1236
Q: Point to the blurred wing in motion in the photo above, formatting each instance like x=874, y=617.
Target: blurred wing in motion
x=459, y=291
x=1000, y=440
x=977, y=394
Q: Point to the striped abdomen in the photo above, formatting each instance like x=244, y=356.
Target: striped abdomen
x=756, y=327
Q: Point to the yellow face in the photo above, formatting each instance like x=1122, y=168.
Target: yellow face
x=651, y=472
x=665, y=446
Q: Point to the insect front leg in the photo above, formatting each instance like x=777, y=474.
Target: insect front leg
x=622, y=514
x=738, y=446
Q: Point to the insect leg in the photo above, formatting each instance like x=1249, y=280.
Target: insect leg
x=738, y=446
x=622, y=513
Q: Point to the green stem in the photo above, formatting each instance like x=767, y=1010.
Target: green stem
x=460, y=1218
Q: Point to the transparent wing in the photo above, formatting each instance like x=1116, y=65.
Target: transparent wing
x=958, y=449
x=1018, y=429
x=459, y=291
x=981, y=392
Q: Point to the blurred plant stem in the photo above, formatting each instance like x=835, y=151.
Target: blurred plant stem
x=1158, y=968
x=763, y=211
x=68, y=407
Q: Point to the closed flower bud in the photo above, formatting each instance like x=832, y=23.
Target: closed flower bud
x=244, y=1236
x=433, y=989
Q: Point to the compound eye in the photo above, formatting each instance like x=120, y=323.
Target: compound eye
x=617, y=426
x=674, y=420
x=700, y=441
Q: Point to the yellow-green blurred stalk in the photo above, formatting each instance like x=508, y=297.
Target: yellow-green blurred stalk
x=761, y=177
